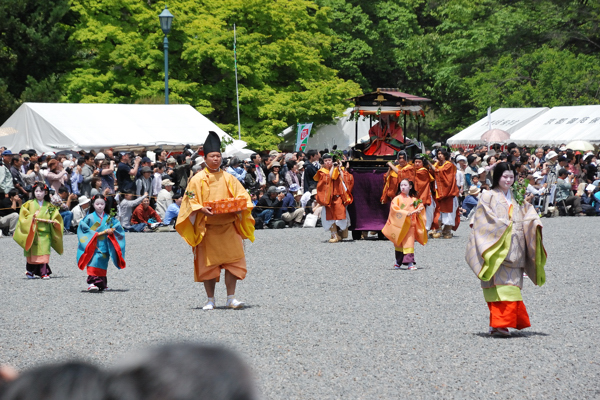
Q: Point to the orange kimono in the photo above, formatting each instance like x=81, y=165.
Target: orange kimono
x=402, y=230
x=334, y=193
x=392, y=181
x=423, y=179
x=446, y=195
x=447, y=190
x=217, y=240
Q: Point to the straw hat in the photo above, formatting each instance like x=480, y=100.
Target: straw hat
x=474, y=190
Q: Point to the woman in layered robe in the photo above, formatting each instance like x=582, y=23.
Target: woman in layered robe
x=505, y=242
x=406, y=224
x=39, y=229
x=101, y=237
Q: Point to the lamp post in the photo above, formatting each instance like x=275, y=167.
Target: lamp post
x=166, y=18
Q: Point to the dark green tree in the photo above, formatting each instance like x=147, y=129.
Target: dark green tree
x=34, y=50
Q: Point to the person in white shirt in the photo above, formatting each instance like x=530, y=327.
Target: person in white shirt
x=164, y=198
x=159, y=169
x=80, y=211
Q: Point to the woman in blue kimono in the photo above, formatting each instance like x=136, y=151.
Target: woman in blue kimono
x=100, y=237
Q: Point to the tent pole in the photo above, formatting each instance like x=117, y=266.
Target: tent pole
x=237, y=93
x=356, y=131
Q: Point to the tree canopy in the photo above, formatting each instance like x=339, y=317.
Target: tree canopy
x=299, y=59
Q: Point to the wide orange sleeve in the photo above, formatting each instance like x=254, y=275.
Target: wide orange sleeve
x=192, y=229
x=324, y=187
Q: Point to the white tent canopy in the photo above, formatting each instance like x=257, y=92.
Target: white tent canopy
x=64, y=126
x=510, y=120
x=341, y=133
x=561, y=125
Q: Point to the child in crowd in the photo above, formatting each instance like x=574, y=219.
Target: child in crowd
x=470, y=201
x=40, y=228
x=100, y=237
x=405, y=224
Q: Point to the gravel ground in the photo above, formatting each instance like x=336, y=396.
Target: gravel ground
x=325, y=320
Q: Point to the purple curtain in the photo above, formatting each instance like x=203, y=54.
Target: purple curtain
x=366, y=212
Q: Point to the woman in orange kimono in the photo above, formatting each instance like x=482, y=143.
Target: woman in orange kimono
x=405, y=224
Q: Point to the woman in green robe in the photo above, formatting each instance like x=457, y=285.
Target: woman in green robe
x=40, y=227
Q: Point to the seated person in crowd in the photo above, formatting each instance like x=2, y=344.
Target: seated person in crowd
x=173, y=210
x=471, y=200
x=268, y=206
x=164, y=198
x=80, y=211
x=144, y=214
x=536, y=188
x=290, y=213
x=63, y=200
x=10, y=206
x=587, y=201
x=307, y=200
x=126, y=207
x=564, y=194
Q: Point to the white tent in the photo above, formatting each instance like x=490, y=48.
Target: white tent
x=561, y=125
x=507, y=119
x=341, y=133
x=65, y=126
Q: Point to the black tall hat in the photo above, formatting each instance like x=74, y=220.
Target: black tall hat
x=212, y=143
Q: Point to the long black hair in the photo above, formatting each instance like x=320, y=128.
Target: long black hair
x=498, y=170
x=411, y=192
x=101, y=197
x=42, y=186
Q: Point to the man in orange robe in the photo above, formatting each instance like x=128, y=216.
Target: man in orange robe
x=425, y=187
x=446, y=193
x=381, y=133
x=395, y=175
x=216, y=238
x=334, y=193
x=423, y=179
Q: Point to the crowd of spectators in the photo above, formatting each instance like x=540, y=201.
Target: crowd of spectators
x=145, y=192
x=559, y=180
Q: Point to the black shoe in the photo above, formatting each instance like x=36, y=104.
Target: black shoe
x=259, y=224
x=276, y=224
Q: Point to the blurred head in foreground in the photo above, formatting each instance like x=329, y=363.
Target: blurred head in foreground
x=182, y=372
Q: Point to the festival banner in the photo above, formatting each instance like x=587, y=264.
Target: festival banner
x=302, y=136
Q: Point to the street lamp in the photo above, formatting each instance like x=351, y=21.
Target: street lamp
x=166, y=18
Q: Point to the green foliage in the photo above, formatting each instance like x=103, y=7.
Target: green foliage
x=34, y=50
x=519, y=191
x=281, y=46
x=544, y=78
